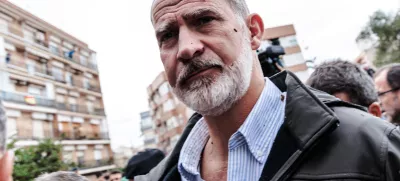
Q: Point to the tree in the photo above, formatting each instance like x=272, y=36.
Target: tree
x=384, y=30
x=31, y=162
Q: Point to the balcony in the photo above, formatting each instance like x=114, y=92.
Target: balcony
x=26, y=99
x=87, y=164
x=80, y=109
x=87, y=135
x=33, y=69
x=30, y=134
x=149, y=141
x=94, y=88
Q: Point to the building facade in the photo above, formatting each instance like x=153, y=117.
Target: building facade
x=293, y=60
x=148, y=130
x=168, y=114
x=49, y=83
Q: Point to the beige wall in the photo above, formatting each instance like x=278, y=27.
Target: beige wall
x=105, y=153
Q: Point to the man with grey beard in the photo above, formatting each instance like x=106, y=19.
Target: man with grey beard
x=248, y=127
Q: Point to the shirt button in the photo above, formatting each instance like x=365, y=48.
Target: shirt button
x=259, y=153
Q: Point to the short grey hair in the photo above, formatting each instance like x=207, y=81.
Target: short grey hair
x=340, y=76
x=3, y=128
x=61, y=176
x=239, y=7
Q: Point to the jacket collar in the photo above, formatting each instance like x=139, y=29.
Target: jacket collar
x=307, y=120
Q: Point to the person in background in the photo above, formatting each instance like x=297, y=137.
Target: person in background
x=6, y=157
x=102, y=176
x=61, y=176
x=115, y=176
x=347, y=82
x=143, y=162
x=387, y=82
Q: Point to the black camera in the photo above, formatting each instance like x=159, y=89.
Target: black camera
x=270, y=58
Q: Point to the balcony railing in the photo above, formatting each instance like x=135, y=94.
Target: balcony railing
x=77, y=135
x=149, y=141
x=30, y=68
x=30, y=134
x=25, y=99
x=94, y=88
x=87, y=164
x=80, y=109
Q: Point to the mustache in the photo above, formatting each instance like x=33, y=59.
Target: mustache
x=194, y=66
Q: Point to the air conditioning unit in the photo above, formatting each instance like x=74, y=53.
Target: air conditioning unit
x=22, y=82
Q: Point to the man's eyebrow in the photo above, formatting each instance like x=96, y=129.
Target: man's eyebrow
x=200, y=12
x=164, y=26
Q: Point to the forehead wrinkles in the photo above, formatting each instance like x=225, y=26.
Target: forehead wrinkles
x=163, y=7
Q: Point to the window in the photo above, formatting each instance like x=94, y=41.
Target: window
x=164, y=89
x=38, y=129
x=3, y=26
x=60, y=98
x=30, y=65
x=67, y=156
x=172, y=123
x=34, y=90
x=11, y=127
x=72, y=103
x=68, y=78
x=90, y=107
x=81, y=157
x=168, y=106
x=53, y=48
x=29, y=35
x=293, y=59
x=83, y=60
x=57, y=73
x=97, y=156
x=288, y=41
x=39, y=36
x=86, y=83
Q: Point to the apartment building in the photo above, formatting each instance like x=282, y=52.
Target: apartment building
x=49, y=83
x=293, y=60
x=168, y=114
x=148, y=130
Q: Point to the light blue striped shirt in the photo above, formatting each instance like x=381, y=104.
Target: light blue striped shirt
x=249, y=147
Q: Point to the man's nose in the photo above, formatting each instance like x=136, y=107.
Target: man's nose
x=189, y=44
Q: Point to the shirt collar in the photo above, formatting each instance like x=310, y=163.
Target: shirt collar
x=191, y=151
x=261, y=126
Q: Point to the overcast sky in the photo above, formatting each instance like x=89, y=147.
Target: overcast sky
x=122, y=35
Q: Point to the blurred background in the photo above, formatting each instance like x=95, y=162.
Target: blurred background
x=84, y=77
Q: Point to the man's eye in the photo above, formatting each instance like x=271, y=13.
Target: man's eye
x=205, y=20
x=166, y=36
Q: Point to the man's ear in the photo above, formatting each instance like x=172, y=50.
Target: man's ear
x=256, y=27
x=375, y=109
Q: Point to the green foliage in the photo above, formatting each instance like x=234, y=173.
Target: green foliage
x=386, y=28
x=30, y=162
